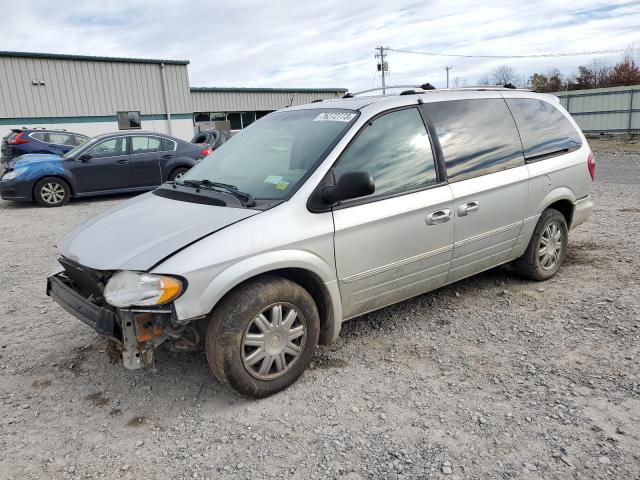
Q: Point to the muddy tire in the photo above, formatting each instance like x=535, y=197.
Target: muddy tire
x=262, y=336
x=547, y=248
x=52, y=192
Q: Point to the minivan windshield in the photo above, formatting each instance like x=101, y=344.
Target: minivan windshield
x=269, y=159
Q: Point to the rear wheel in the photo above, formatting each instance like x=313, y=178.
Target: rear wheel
x=262, y=336
x=547, y=247
x=177, y=174
x=52, y=192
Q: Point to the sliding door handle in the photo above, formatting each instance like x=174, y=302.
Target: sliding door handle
x=467, y=208
x=439, y=216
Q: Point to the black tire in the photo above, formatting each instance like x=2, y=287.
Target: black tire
x=177, y=172
x=530, y=264
x=52, y=192
x=233, y=319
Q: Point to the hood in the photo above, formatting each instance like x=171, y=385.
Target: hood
x=142, y=231
x=33, y=159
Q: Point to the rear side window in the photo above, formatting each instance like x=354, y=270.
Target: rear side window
x=477, y=136
x=144, y=145
x=543, y=128
x=61, y=139
x=42, y=136
x=396, y=151
x=166, y=144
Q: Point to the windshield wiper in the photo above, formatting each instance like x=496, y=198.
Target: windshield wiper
x=247, y=198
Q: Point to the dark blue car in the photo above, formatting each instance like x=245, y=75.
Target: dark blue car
x=111, y=163
x=21, y=141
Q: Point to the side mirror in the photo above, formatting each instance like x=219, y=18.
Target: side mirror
x=350, y=185
x=84, y=158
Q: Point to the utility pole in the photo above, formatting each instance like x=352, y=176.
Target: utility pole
x=383, y=66
x=447, y=68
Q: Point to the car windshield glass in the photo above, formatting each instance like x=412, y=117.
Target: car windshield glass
x=269, y=159
x=83, y=142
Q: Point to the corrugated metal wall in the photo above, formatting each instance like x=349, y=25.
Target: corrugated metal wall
x=606, y=110
x=88, y=88
x=238, y=100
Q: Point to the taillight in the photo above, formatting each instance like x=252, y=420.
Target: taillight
x=19, y=139
x=206, y=151
x=591, y=164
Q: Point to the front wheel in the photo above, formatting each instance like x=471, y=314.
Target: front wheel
x=262, y=336
x=547, y=247
x=177, y=174
x=52, y=192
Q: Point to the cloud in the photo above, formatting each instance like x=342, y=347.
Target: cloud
x=324, y=44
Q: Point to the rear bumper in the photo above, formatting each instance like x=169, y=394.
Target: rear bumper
x=581, y=211
x=102, y=320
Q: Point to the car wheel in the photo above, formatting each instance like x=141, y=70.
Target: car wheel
x=547, y=247
x=52, y=192
x=177, y=174
x=262, y=336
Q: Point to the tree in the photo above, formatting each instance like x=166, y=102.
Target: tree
x=459, y=82
x=626, y=72
x=502, y=75
x=586, y=78
x=601, y=72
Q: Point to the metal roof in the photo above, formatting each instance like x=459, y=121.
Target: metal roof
x=91, y=58
x=267, y=90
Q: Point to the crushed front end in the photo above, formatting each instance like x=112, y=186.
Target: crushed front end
x=137, y=330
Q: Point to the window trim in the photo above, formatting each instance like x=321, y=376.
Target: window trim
x=128, y=112
x=375, y=198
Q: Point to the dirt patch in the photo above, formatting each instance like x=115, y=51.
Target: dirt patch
x=97, y=399
x=323, y=363
x=136, y=422
x=41, y=383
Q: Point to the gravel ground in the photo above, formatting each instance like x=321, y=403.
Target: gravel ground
x=492, y=377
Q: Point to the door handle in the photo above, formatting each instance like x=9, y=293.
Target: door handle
x=122, y=162
x=439, y=216
x=467, y=208
x=167, y=156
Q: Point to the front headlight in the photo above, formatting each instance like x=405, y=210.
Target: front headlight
x=14, y=173
x=126, y=289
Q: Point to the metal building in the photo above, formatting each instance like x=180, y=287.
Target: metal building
x=93, y=95
x=604, y=110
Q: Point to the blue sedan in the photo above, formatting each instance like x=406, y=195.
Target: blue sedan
x=110, y=163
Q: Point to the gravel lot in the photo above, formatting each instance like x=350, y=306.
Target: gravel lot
x=492, y=377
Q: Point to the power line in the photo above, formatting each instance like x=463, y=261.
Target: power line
x=573, y=54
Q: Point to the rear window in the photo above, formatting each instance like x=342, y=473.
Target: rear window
x=544, y=130
x=477, y=136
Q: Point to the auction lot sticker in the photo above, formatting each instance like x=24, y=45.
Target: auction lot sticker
x=334, y=117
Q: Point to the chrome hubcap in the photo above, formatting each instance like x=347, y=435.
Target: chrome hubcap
x=273, y=341
x=178, y=176
x=550, y=246
x=52, y=193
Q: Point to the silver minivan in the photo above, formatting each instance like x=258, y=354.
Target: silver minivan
x=319, y=213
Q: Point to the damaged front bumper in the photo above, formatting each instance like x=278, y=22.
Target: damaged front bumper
x=137, y=331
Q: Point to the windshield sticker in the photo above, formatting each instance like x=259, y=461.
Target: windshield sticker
x=282, y=185
x=334, y=117
x=273, y=179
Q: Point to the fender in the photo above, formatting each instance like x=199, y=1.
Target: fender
x=558, y=193
x=235, y=273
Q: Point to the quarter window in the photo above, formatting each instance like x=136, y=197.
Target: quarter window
x=129, y=120
x=109, y=148
x=477, y=136
x=144, y=144
x=543, y=128
x=395, y=149
x=42, y=136
x=166, y=144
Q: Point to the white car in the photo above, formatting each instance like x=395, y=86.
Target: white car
x=319, y=213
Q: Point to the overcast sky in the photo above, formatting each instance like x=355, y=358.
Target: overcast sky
x=293, y=43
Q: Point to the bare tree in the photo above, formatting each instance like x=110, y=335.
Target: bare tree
x=601, y=70
x=485, y=80
x=459, y=82
x=502, y=75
